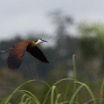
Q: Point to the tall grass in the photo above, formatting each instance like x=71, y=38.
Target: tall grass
x=64, y=91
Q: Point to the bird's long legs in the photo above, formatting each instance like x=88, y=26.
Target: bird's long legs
x=4, y=51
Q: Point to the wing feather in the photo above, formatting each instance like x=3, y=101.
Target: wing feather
x=37, y=53
x=16, y=55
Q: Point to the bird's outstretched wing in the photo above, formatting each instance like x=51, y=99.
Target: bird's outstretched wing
x=37, y=53
x=14, y=61
x=16, y=55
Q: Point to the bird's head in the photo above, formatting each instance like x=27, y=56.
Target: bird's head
x=39, y=41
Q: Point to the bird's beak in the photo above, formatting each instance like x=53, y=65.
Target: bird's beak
x=44, y=41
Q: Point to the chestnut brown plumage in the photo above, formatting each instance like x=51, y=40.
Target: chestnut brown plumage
x=17, y=52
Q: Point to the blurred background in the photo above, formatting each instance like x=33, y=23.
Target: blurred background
x=70, y=27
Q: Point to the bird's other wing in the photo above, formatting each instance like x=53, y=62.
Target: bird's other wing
x=16, y=55
x=37, y=53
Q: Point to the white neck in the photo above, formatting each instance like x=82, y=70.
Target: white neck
x=39, y=41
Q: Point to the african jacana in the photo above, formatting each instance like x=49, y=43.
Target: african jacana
x=17, y=52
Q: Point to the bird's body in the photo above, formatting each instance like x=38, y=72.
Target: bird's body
x=20, y=48
x=17, y=52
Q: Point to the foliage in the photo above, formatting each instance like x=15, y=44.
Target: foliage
x=92, y=39
x=64, y=91
x=9, y=80
x=92, y=47
x=54, y=94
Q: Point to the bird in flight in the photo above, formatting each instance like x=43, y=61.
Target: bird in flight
x=18, y=51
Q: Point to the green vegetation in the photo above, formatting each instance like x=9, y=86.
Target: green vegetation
x=64, y=91
x=53, y=94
